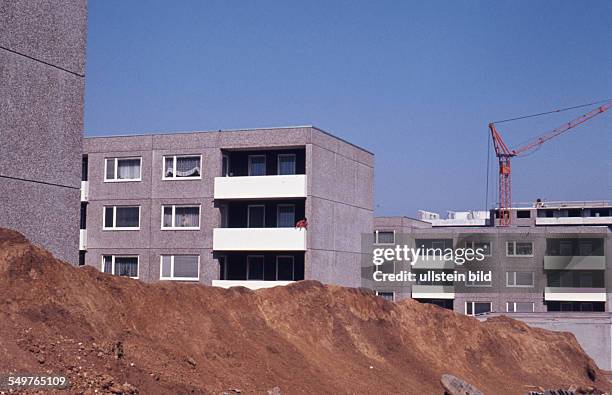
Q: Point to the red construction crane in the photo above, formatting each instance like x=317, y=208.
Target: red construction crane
x=505, y=154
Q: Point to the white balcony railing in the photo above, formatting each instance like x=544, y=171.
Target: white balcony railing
x=261, y=187
x=83, y=239
x=592, y=262
x=259, y=239
x=574, y=221
x=251, y=284
x=433, y=292
x=84, y=191
x=565, y=294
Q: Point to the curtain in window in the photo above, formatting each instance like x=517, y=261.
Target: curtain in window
x=187, y=217
x=188, y=167
x=186, y=266
x=169, y=167
x=257, y=165
x=127, y=217
x=286, y=216
x=286, y=164
x=126, y=266
x=128, y=169
x=108, y=264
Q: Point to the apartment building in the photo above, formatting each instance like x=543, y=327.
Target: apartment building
x=553, y=258
x=221, y=208
x=42, y=67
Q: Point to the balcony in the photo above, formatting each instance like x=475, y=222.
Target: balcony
x=84, y=191
x=83, y=239
x=547, y=221
x=250, y=284
x=259, y=239
x=433, y=292
x=261, y=187
x=575, y=294
x=591, y=262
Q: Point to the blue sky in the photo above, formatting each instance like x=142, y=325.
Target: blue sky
x=415, y=82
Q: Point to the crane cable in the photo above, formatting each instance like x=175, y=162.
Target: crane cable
x=554, y=111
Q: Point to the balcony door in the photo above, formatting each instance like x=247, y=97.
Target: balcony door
x=255, y=267
x=256, y=216
x=286, y=164
x=257, y=165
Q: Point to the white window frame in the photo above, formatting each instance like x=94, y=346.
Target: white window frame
x=473, y=303
x=104, y=227
x=174, y=177
x=121, y=256
x=249, y=164
x=264, y=267
x=386, y=292
x=472, y=245
x=174, y=227
x=513, y=304
x=294, y=163
x=383, y=231
x=514, y=254
x=172, y=277
x=292, y=266
x=513, y=272
x=278, y=213
x=249, y=214
x=116, y=164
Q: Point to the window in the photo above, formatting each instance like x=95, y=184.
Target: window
x=181, y=217
x=285, y=269
x=182, y=167
x=286, y=164
x=255, y=267
x=180, y=267
x=519, y=248
x=122, y=169
x=523, y=214
x=585, y=248
x=126, y=266
x=520, y=279
x=122, y=217
x=520, y=307
x=222, y=267
x=384, y=237
x=257, y=165
x=285, y=216
x=224, y=212
x=256, y=216
x=476, y=308
x=390, y=296
x=565, y=248
x=483, y=245
x=387, y=267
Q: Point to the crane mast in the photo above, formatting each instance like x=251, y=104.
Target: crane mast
x=505, y=154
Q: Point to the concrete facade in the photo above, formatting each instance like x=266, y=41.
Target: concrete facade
x=337, y=200
x=42, y=64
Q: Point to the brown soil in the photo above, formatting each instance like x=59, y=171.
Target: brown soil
x=166, y=338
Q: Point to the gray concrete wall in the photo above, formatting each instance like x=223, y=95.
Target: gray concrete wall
x=42, y=64
x=339, y=203
x=592, y=330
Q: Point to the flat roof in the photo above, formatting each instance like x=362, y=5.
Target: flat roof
x=168, y=133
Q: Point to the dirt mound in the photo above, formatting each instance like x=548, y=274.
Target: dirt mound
x=104, y=331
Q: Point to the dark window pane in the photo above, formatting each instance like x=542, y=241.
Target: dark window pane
x=126, y=266
x=128, y=217
x=110, y=169
x=108, y=217
x=286, y=164
x=187, y=217
x=285, y=269
x=255, y=268
x=286, y=216
x=257, y=165
x=256, y=216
